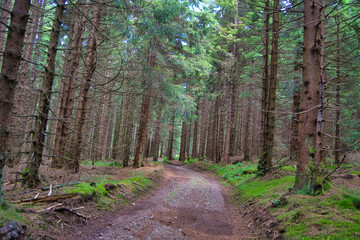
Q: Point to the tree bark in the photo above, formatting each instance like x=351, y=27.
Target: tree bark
x=38, y=140
x=247, y=137
x=183, y=142
x=265, y=161
x=33, y=94
x=116, y=139
x=194, y=152
x=145, y=109
x=226, y=158
x=18, y=124
x=71, y=66
x=319, y=154
x=4, y=21
x=220, y=142
x=142, y=130
x=338, y=96
x=89, y=69
x=265, y=77
x=203, y=127
x=188, y=140
x=310, y=97
x=157, y=136
x=171, y=138
x=129, y=130
x=294, y=144
x=123, y=124
x=8, y=76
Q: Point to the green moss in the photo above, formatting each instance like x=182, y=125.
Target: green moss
x=102, y=164
x=263, y=189
x=290, y=168
x=191, y=161
x=96, y=190
x=316, y=217
x=355, y=172
x=10, y=214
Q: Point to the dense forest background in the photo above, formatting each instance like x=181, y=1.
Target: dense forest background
x=224, y=80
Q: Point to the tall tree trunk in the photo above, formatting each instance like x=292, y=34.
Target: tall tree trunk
x=4, y=21
x=90, y=61
x=247, y=137
x=240, y=122
x=226, y=158
x=122, y=126
x=310, y=97
x=8, y=76
x=229, y=134
x=18, y=123
x=116, y=139
x=142, y=130
x=171, y=138
x=203, y=127
x=294, y=144
x=212, y=130
x=319, y=154
x=71, y=66
x=194, y=152
x=183, y=142
x=157, y=136
x=145, y=110
x=129, y=130
x=209, y=135
x=32, y=95
x=220, y=142
x=234, y=108
x=265, y=80
x=337, y=97
x=265, y=161
x=38, y=140
x=188, y=140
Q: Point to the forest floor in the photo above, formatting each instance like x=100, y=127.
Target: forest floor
x=181, y=201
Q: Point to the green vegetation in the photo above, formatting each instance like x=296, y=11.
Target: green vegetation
x=100, y=189
x=355, y=172
x=166, y=160
x=191, y=161
x=328, y=217
x=10, y=213
x=102, y=164
x=333, y=215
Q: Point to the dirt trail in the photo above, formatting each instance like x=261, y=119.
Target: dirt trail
x=189, y=205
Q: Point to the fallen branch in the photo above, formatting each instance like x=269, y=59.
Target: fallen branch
x=54, y=206
x=50, y=191
x=71, y=211
x=49, y=199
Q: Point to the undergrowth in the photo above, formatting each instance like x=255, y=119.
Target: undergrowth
x=97, y=190
x=102, y=164
x=10, y=213
x=333, y=215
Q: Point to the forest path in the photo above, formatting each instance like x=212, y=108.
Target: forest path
x=189, y=205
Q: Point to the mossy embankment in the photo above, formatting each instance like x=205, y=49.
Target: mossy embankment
x=279, y=214
x=108, y=188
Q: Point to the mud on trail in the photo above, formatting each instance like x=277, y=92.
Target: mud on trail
x=189, y=205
